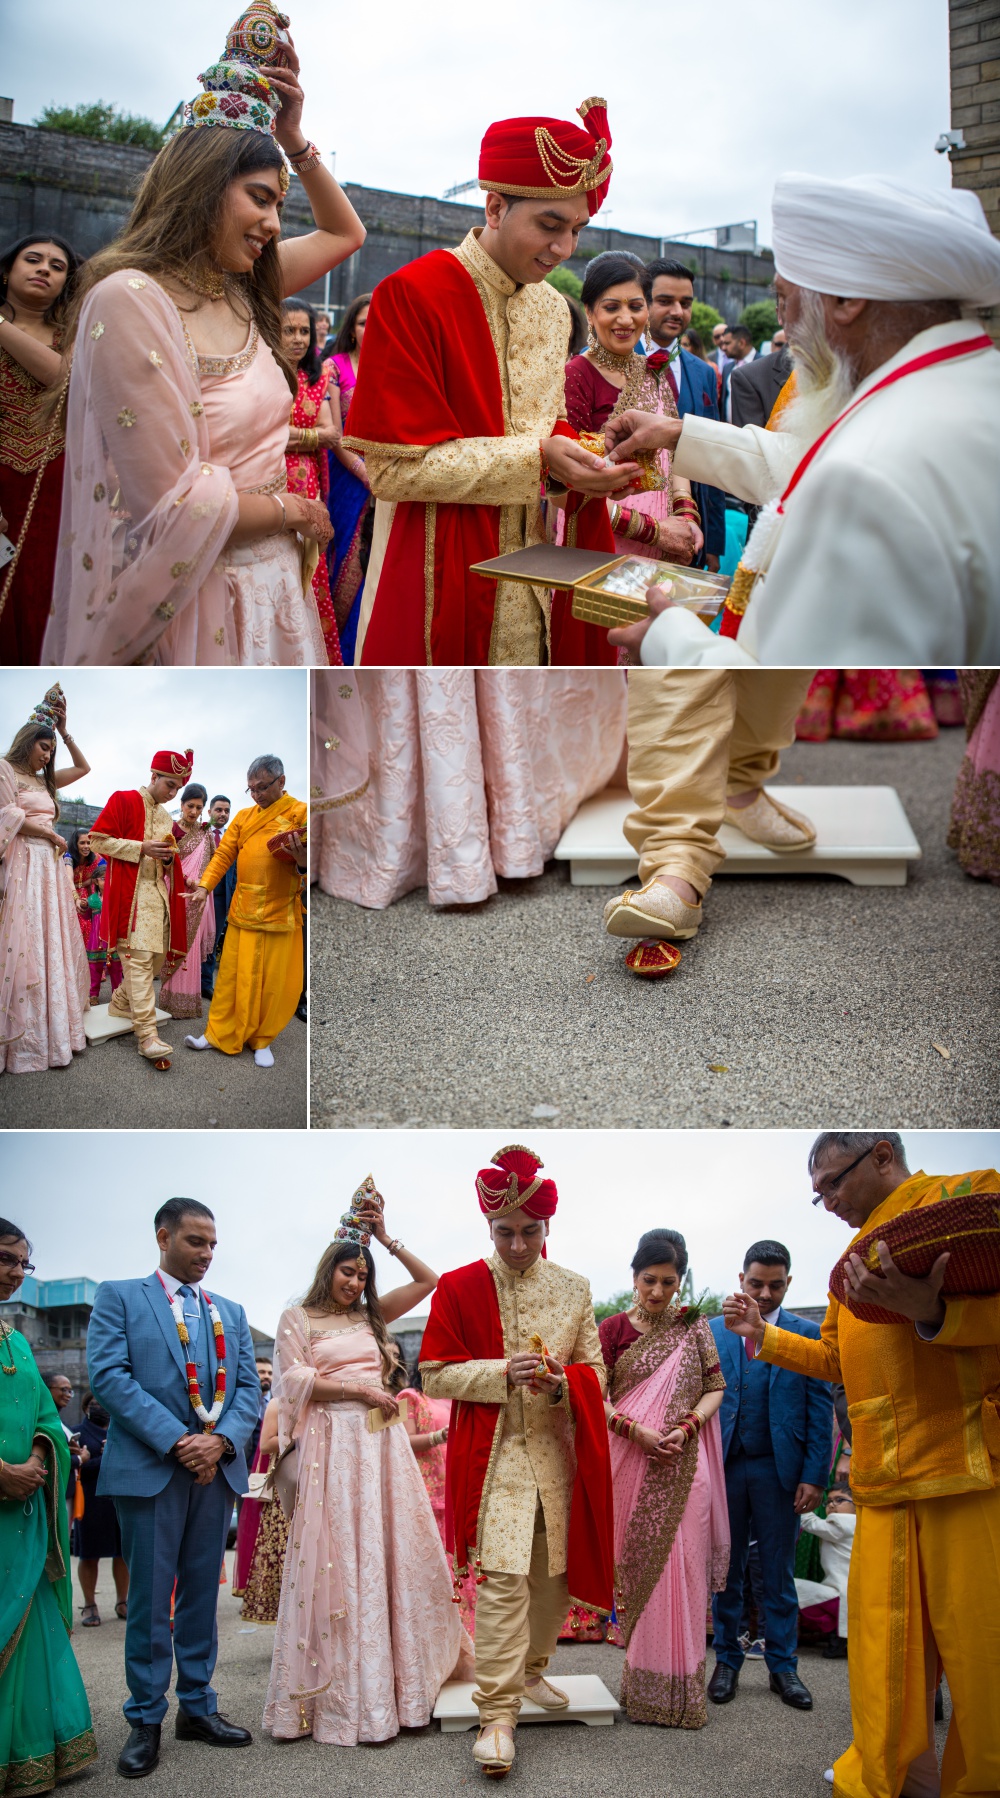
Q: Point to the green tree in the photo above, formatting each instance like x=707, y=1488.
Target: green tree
x=619, y=1301
x=564, y=281
x=703, y=319
x=108, y=124
x=761, y=320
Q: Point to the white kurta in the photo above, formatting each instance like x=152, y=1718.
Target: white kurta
x=889, y=548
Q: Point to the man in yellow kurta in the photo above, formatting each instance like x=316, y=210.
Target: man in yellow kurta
x=513, y=1462
x=923, y=1397
x=259, y=982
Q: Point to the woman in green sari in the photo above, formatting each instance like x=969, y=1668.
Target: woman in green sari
x=45, y=1732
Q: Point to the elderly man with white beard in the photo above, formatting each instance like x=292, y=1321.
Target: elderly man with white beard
x=879, y=542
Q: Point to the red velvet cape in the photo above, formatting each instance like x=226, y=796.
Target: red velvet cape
x=428, y=374
x=464, y=1325
x=125, y=816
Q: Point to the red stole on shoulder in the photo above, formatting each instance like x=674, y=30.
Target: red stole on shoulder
x=125, y=816
x=465, y=1325
x=428, y=375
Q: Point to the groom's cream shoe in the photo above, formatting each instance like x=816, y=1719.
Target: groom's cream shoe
x=548, y=1696
x=654, y=910
x=493, y=1750
x=155, y=1050
x=774, y=825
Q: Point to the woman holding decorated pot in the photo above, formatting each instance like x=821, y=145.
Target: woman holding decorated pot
x=367, y=1633
x=665, y=1388
x=181, y=544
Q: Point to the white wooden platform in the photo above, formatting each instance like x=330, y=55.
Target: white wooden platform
x=590, y=1702
x=862, y=834
x=99, y=1028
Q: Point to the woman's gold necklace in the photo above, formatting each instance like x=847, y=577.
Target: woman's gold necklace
x=210, y=283
x=611, y=359
x=6, y=1331
x=652, y=1318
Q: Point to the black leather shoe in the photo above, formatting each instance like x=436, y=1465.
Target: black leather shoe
x=939, y=1706
x=791, y=1691
x=141, y=1752
x=210, y=1729
x=723, y=1683
x=835, y=1648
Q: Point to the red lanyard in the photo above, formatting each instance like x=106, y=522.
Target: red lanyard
x=947, y=353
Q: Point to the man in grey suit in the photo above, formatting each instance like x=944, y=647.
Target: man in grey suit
x=777, y=1443
x=754, y=386
x=173, y=1462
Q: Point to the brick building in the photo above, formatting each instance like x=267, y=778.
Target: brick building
x=975, y=100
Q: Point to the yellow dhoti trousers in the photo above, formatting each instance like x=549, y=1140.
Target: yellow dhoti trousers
x=695, y=735
x=257, y=988
x=518, y=1619
x=924, y=1590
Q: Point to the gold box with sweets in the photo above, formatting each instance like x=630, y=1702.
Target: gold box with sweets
x=607, y=589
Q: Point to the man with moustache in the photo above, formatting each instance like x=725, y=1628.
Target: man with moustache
x=879, y=541
x=174, y=1367
x=693, y=381
x=513, y=1343
x=923, y=1396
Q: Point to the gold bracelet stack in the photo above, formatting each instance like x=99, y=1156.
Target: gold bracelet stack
x=308, y=439
x=306, y=159
x=622, y=1426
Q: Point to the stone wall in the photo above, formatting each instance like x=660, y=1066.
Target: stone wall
x=82, y=189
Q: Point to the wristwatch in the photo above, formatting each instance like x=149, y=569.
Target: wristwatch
x=230, y=1449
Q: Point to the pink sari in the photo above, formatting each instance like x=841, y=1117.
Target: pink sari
x=671, y=1526
x=367, y=1633
x=180, y=993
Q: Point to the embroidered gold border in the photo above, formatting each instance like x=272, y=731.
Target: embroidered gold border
x=369, y=446
x=547, y=193
x=332, y=805
x=6, y=1652
x=430, y=530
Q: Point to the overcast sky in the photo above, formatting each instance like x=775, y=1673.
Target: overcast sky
x=701, y=124
x=87, y=1199
x=122, y=716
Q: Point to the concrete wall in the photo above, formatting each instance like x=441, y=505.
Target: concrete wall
x=51, y=181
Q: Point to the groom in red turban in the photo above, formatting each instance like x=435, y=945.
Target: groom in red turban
x=459, y=413
x=513, y=1343
x=142, y=912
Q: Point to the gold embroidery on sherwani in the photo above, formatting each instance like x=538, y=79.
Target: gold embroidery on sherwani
x=665, y=1488
x=529, y=333
x=150, y=904
x=535, y=1452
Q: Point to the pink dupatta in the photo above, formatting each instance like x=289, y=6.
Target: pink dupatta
x=146, y=511
x=308, y=1564
x=18, y=969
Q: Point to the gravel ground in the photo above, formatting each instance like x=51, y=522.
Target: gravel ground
x=815, y=998
x=112, y=1087
x=755, y=1742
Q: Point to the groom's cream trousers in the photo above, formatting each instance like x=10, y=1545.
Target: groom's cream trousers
x=694, y=735
x=518, y=1619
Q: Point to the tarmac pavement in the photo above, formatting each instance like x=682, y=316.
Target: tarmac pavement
x=802, y=999
x=754, y=1744
x=111, y=1087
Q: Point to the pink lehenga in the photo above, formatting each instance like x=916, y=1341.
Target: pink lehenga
x=974, y=833
x=430, y=1414
x=367, y=1633
x=671, y=1524
x=160, y=442
x=180, y=993
x=449, y=778
x=44, y=976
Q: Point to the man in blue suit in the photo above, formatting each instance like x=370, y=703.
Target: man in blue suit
x=777, y=1440
x=692, y=381
x=172, y=1470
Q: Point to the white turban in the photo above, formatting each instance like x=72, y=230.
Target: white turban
x=876, y=239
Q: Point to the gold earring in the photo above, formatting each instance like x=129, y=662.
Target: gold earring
x=591, y=338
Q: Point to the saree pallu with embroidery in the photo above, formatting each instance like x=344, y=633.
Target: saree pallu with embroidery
x=24, y=450
x=671, y=1527
x=45, y=1726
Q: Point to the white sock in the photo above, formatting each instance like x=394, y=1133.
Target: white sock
x=196, y=1042
x=263, y=1058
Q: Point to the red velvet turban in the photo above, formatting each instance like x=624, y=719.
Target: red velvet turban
x=172, y=762
x=512, y=1183
x=533, y=158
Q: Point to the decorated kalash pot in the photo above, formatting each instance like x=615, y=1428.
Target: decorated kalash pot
x=50, y=708
x=609, y=589
x=235, y=87
x=355, y=1226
